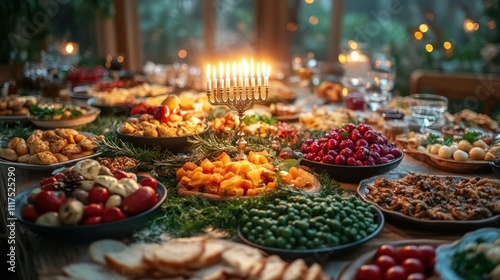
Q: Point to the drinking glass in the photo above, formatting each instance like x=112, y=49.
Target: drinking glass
x=380, y=81
x=427, y=109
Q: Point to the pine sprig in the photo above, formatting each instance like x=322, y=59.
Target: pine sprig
x=18, y=130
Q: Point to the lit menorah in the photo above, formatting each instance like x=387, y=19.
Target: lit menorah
x=240, y=92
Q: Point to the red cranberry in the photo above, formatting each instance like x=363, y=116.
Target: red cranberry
x=351, y=161
x=328, y=159
x=340, y=160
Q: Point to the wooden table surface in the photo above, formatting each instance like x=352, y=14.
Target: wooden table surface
x=42, y=258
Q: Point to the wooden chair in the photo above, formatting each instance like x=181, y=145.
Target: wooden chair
x=472, y=88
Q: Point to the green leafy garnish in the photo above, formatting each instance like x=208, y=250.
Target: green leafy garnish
x=255, y=118
x=431, y=139
x=471, y=136
x=471, y=265
x=448, y=140
x=345, y=134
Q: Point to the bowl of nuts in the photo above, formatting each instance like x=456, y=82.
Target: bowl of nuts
x=172, y=133
x=120, y=162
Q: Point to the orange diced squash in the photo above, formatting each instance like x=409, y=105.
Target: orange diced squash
x=185, y=181
x=220, y=170
x=218, y=164
x=272, y=186
x=246, y=184
x=233, y=167
x=216, y=178
x=245, y=167
x=199, y=179
x=294, y=172
x=189, y=166
x=224, y=158
x=254, y=177
x=229, y=175
x=181, y=172
x=207, y=166
x=268, y=166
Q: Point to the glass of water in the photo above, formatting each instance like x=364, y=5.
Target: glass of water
x=380, y=81
x=427, y=109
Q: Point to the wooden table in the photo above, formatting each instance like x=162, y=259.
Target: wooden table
x=42, y=258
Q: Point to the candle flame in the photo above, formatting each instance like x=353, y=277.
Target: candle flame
x=354, y=56
x=252, y=68
x=264, y=69
x=234, y=69
x=208, y=71
x=245, y=67
x=258, y=69
x=240, y=71
x=227, y=70
x=214, y=72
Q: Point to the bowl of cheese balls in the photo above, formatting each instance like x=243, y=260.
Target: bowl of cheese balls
x=164, y=129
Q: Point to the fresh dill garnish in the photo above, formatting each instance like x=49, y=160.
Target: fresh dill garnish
x=431, y=139
x=448, y=140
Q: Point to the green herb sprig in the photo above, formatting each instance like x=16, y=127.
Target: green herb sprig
x=471, y=136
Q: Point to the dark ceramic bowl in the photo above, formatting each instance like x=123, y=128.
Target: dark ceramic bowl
x=117, y=229
x=320, y=253
x=351, y=174
x=177, y=144
x=495, y=168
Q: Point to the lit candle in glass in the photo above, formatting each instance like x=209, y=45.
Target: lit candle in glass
x=221, y=74
x=259, y=79
x=209, y=82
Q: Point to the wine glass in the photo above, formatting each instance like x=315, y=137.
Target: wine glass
x=380, y=81
x=427, y=109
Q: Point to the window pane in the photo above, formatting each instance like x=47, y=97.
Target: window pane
x=309, y=26
x=234, y=21
x=170, y=26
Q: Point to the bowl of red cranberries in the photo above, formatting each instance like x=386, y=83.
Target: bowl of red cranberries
x=351, y=153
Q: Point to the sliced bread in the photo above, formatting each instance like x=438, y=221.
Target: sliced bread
x=273, y=268
x=178, y=254
x=98, y=249
x=211, y=254
x=242, y=258
x=90, y=271
x=129, y=261
x=297, y=270
x=315, y=272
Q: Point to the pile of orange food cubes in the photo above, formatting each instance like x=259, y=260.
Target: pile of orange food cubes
x=250, y=177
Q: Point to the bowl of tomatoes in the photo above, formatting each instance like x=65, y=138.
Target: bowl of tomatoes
x=405, y=260
x=78, y=205
x=351, y=153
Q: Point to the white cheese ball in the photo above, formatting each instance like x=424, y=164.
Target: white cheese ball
x=435, y=148
x=453, y=148
x=476, y=153
x=460, y=155
x=444, y=152
x=493, y=254
x=464, y=145
x=421, y=149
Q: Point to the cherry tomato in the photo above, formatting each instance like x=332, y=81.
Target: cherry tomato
x=396, y=272
x=92, y=220
x=150, y=182
x=387, y=250
x=98, y=194
x=162, y=113
x=385, y=262
x=412, y=265
x=113, y=214
x=93, y=210
x=409, y=251
x=30, y=213
x=428, y=254
x=416, y=276
x=368, y=272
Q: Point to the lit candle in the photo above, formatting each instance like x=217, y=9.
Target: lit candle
x=214, y=76
x=209, y=82
x=252, y=72
x=265, y=74
x=228, y=80
x=221, y=74
x=259, y=79
x=235, y=78
x=357, y=65
x=245, y=69
x=240, y=75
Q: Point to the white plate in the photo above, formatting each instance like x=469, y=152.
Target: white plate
x=91, y=115
x=44, y=167
x=444, y=253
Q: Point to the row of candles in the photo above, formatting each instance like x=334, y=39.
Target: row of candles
x=243, y=75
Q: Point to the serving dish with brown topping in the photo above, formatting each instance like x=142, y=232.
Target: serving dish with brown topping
x=438, y=202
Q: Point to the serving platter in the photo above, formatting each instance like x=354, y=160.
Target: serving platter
x=349, y=271
x=116, y=229
x=445, y=252
x=14, y=119
x=450, y=165
x=319, y=253
x=92, y=113
x=435, y=225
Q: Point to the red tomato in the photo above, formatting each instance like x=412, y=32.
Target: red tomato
x=30, y=213
x=119, y=174
x=48, y=201
x=428, y=254
x=162, y=113
x=49, y=180
x=368, y=272
x=93, y=210
x=396, y=272
x=139, y=201
x=387, y=250
x=409, y=251
x=416, y=276
x=150, y=182
x=412, y=265
x=92, y=220
x=385, y=262
x=98, y=194
x=112, y=214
